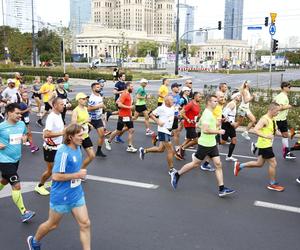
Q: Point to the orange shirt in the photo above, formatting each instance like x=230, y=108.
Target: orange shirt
x=125, y=99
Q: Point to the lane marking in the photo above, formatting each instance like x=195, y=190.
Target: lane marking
x=122, y=182
x=277, y=206
x=36, y=132
x=26, y=187
x=240, y=156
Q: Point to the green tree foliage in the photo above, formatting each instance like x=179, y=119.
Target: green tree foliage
x=293, y=57
x=260, y=53
x=147, y=46
x=172, y=48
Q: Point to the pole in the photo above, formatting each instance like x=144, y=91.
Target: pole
x=177, y=40
x=187, y=40
x=4, y=33
x=33, y=38
x=64, y=54
x=270, y=68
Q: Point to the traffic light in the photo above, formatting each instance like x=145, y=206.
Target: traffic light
x=266, y=21
x=274, y=45
x=184, y=52
x=219, y=25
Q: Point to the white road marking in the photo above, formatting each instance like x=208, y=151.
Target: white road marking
x=36, y=132
x=240, y=156
x=277, y=206
x=122, y=182
x=25, y=188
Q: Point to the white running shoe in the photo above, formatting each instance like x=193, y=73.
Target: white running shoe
x=246, y=135
x=231, y=159
x=131, y=149
x=149, y=132
x=107, y=145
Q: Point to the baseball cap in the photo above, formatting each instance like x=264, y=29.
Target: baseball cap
x=81, y=96
x=143, y=80
x=175, y=84
x=185, y=89
x=9, y=80
x=60, y=80
x=101, y=80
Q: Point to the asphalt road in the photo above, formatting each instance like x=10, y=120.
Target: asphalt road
x=148, y=214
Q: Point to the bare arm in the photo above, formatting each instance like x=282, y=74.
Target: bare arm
x=50, y=134
x=262, y=123
x=67, y=177
x=205, y=128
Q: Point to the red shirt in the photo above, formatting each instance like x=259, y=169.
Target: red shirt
x=192, y=110
x=125, y=99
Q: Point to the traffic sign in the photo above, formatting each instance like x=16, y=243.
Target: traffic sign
x=272, y=29
x=254, y=28
x=273, y=17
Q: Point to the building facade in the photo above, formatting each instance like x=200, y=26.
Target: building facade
x=187, y=21
x=80, y=14
x=19, y=14
x=233, y=20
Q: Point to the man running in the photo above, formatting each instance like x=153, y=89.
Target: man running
x=12, y=132
x=9, y=91
x=207, y=146
x=163, y=91
x=140, y=105
x=164, y=117
x=266, y=130
x=46, y=90
x=125, y=119
x=95, y=108
x=53, y=137
x=281, y=119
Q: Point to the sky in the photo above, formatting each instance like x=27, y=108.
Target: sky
x=208, y=13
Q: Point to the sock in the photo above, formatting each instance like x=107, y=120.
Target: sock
x=285, y=142
x=272, y=182
x=18, y=200
x=99, y=149
x=40, y=184
x=1, y=186
x=231, y=148
x=221, y=188
x=242, y=165
x=35, y=242
x=205, y=164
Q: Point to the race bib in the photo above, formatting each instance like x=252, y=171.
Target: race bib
x=15, y=139
x=26, y=119
x=75, y=183
x=126, y=119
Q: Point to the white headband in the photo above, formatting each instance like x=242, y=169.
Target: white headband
x=235, y=95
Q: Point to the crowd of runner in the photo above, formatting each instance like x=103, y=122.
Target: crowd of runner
x=206, y=127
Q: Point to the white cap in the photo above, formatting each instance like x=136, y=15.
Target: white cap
x=9, y=80
x=185, y=89
x=143, y=80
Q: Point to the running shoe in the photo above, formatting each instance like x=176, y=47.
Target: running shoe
x=172, y=170
x=230, y=158
x=226, y=191
x=207, y=167
x=149, y=132
x=27, y=216
x=290, y=156
x=178, y=156
x=236, y=168
x=34, y=149
x=296, y=146
x=33, y=245
x=253, y=148
x=298, y=179
x=292, y=133
x=40, y=123
x=246, y=135
x=154, y=139
x=41, y=190
x=107, y=145
x=99, y=153
x=27, y=143
x=174, y=179
x=118, y=139
x=131, y=149
x=275, y=187
x=142, y=153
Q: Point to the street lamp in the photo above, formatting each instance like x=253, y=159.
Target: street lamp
x=177, y=40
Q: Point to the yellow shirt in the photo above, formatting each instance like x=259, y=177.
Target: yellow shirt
x=217, y=112
x=46, y=90
x=17, y=83
x=82, y=119
x=282, y=99
x=163, y=91
x=267, y=130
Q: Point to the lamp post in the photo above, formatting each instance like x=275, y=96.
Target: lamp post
x=177, y=40
x=33, y=37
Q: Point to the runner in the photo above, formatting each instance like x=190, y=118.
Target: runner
x=81, y=116
x=53, y=136
x=12, y=132
x=18, y=79
x=190, y=113
x=281, y=119
x=67, y=86
x=140, y=105
x=95, y=108
x=223, y=88
x=163, y=91
x=165, y=114
x=207, y=146
x=66, y=195
x=36, y=86
x=244, y=109
x=230, y=125
x=266, y=130
x=9, y=91
x=125, y=119
x=189, y=84
x=46, y=90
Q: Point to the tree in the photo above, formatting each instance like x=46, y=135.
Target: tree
x=146, y=47
x=293, y=57
x=260, y=53
x=193, y=50
x=182, y=45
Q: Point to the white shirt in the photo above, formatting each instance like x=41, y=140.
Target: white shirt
x=93, y=101
x=166, y=115
x=8, y=93
x=54, y=123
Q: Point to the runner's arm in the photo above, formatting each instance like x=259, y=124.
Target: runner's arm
x=68, y=177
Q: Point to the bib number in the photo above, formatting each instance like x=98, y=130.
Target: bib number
x=126, y=119
x=75, y=183
x=26, y=119
x=15, y=139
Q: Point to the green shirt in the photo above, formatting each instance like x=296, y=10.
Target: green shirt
x=208, y=140
x=282, y=99
x=141, y=91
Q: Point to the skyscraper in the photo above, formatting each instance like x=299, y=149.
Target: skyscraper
x=233, y=20
x=80, y=13
x=187, y=21
x=19, y=14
